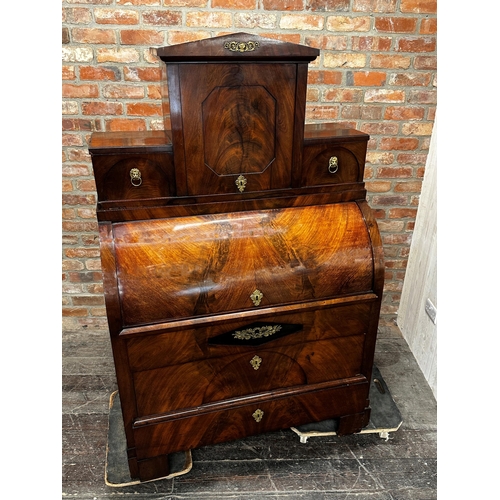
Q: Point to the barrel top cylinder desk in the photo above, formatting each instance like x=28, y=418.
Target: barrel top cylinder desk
x=242, y=266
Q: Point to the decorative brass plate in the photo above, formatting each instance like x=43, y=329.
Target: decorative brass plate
x=333, y=165
x=256, y=297
x=135, y=177
x=241, y=182
x=257, y=415
x=257, y=332
x=255, y=362
x=235, y=46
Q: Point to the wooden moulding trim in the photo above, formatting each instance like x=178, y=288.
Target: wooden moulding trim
x=239, y=402
x=253, y=314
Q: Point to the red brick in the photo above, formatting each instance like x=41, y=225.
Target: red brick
x=403, y=113
x=410, y=79
x=138, y=74
x=301, y=22
x=79, y=124
x=380, y=128
x=408, y=187
x=324, y=76
x=412, y=158
x=122, y=91
x=77, y=15
x=322, y=112
x=77, y=253
x=74, y=311
x=396, y=24
x=371, y=43
x=343, y=95
x=72, y=140
x=123, y=124
x=327, y=5
x=176, y=37
x=84, y=90
x=144, y=109
x=396, y=239
x=394, y=172
x=84, y=277
x=234, y=4
x=72, y=265
x=154, y=92
x=78, y=155
x=416, y=44
x=369, y=78
x=327, y=42
x=93, y=264
x=378, y=186
x=86, y=185
x=419, y=6
x=162, y=17
x=79, y=227
x=102, y=108
x=141, y=37
x=75, y=170
x=292, y=38
x=428, y=26
x=67, y=186
x=93, y=35
x=119, y=55
x=109, y=73
x=87, y=213
x=116, y=16
x=283, y=4
x=141, y=2
x=78, y=199
x=425, y=62
x=423, y=97
x=69, y=108
x=388, y=200
x=209, y=19
x=392, y=143
x=348, y=23
x=374, y=6
x=383, y=95
x=389, y=61
x=68, y=73
x=88, y=300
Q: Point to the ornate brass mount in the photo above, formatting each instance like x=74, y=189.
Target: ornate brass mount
x=333, y=165
x=241, y=182
x=256, y=297
x=257, y=415
x=235, y=46
x=135, y=177
x=257, y=332
x=255, y=362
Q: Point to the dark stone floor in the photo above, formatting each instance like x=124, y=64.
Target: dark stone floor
x=274, y=465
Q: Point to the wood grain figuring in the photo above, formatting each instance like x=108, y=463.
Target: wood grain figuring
x=205, y=265
x=244, y=116
x=225, y=425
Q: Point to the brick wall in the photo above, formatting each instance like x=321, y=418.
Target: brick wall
x=376, y=72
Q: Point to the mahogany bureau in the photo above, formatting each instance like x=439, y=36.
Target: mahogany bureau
x=243, y=269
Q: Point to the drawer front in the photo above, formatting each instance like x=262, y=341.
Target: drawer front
x=134, y=176
x=203, y=265
x=193, y=384
x=185, y=432
x=165, y=349
x=333, y=163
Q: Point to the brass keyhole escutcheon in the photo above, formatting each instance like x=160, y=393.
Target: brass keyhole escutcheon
x=256, y=297
x=255, y=362
x=257, y=415
x=135, y=177
x=333, y=165
x=241, y=183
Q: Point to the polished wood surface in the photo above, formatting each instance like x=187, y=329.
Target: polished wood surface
x=243, y=268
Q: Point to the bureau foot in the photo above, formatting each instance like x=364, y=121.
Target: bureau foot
x=153, y=468
x=350, y=424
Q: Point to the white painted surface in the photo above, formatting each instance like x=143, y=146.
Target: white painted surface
x=421, y=276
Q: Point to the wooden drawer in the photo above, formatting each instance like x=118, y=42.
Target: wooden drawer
x=333, y=163
x=132, y=177
x=221, y=422
x=193, y=384
x=204, y=265
x=147, y=352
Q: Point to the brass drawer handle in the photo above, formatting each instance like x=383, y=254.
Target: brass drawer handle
x=241, y=183
x=135, y=177
x=255, y=362
x=333, y=165
x=257, y=415
x=256, y=297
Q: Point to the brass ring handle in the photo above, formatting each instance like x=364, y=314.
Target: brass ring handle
x=333, y=165
x=135, y=177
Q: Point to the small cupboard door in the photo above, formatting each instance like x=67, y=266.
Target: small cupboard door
x=237, y=126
